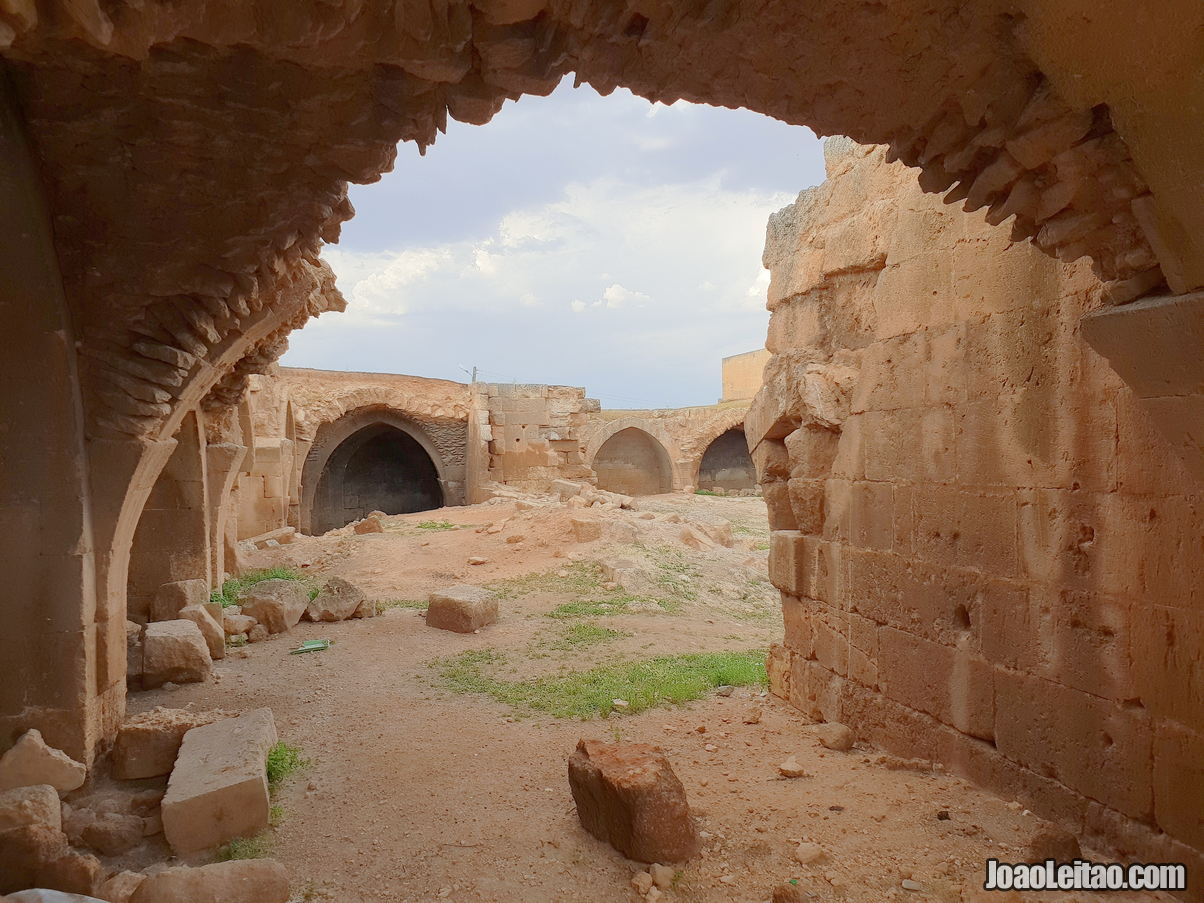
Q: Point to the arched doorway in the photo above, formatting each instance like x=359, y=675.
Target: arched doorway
x=634, y=463
x=726, y=464
x=380, y=467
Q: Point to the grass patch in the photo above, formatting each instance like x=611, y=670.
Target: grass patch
x=257, y=847
x=665, y=680
x=403, y=603
x=586, y=635
x=672, y=566
x=704, y=492
x=582, y=578
x=283, y=760
x=593, y=608
x=761, y=546
x=232, y=588
x=436, y=525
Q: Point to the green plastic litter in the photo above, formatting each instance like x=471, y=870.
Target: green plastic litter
x=311, y=646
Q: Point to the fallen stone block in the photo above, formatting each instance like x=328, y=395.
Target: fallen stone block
x=147, y=744
x=237, y=881
x=113, y=833
x=366, y=609
x=567, y=489
x=586, y=529
x=628, y=795
x=337, y=601
x=276, y=604
x=720, y=533
x=120, y=887
x=462, y=609
x=834, y=735
x=211, y=630
x=258, y=634
x=35, y=805
x=369, y=525
x=170, y=598
x=175, y=651
x=218, y=789
x=30, y=762
x=38, y=856
x=694, y=538
x=234, y=624
x=621, y=531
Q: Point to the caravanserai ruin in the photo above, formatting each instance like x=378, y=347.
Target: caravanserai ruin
x=979, y=440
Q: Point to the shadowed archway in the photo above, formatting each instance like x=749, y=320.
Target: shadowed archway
x=726, y=463
x=634, y=463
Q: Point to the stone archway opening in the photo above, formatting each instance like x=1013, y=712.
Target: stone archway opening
x=380, y=467
x=634, y=463
x=726, y=463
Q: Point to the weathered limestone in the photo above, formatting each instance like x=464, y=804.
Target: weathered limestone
x=234, y=623
x=238, y=881
x=586, y=529
x=978, y=530
x=463, y=609
x=30, y=762
x=337, y=601
x=628, y=795
x=218, y=788
x=276, y=604
x=147, y=744
x=174, y=651
x=215, y=637
x=172, y=598
x=36, y=804
x=120, y=888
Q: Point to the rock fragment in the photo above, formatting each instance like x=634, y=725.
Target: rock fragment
x=628, y=795
x=30, y=761
x=337, y=601
x=174, y=651
x=237, y=881
x=276, y=604
x=834, y=735
x=462, y=608
x=211, y=630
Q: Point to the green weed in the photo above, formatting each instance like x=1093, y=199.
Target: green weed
x=257, y=847
x=402, y=603
x=283, y=760
x=232, y=588
x=436, y=525
x=586, y=635
x=670, y=679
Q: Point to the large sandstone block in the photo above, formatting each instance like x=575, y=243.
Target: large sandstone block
x=211, y=630
x=30, y=762
x=147, y=744
x=462, y=609
x=175, y=651
x=276, y=604
x=586, y=529
x=36, y=805
x=218, y=789
x=237, y=881
x=628, y=795
x=337, y=601
x=171, y=598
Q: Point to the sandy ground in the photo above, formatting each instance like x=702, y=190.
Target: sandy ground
x=415, y=793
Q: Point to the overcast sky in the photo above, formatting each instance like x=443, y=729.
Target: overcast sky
x=577, y=240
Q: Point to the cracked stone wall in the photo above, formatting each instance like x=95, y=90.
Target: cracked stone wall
x=988, y=554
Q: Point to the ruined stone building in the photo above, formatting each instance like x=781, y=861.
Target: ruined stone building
x=980, y=435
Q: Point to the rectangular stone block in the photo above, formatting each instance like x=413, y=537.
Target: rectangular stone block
x=871, y=515
x=218, y=789
x=949, y=684
x=1089, y=744
x=462, y=609
x=791, y=559
x=1179, y=782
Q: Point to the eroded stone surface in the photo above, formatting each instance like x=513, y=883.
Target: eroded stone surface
x=218, y=788
x=238, y=881
x=628, y=795
x=31, y=805
x=211, y=630
x=30, y=761
x=462, y=608
x=174, y=651
x=276, y=604
x=147, y=744
x=337, y=601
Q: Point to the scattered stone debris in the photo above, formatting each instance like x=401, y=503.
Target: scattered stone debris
x=276, y=604
x=211, y=630
x=792, y=769
x=462, y=608
x=370, y=524
x=1053, y=843
x=807, y=853
x=338, y=601
x=629, y=796
x=477, y=559
x=834, y=735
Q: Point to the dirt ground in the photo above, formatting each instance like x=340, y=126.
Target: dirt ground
x=417, y=793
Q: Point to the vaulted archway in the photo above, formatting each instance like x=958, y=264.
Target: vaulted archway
x=632, y=462
x=726, y=463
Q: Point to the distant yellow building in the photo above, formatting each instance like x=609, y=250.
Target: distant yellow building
x=742, y=374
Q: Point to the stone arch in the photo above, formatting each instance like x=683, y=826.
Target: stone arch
x=375, y=445
x=726, y=462
x=634, y=462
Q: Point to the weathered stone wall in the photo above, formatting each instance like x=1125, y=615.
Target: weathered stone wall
x=531, y=434
x=987, y=554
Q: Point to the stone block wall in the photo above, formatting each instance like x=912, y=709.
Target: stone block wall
x=987, y=553
x=742, y=374
x=531, y=432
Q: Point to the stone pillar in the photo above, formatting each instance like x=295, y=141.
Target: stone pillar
x=47, y=648
x=223, y=463
x=173, y=537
